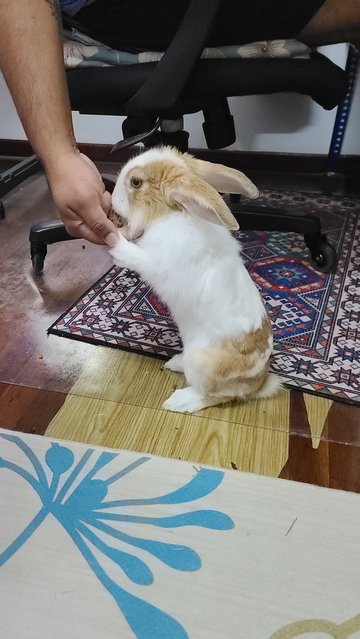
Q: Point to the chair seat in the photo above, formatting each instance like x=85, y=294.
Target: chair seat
x=106, y=91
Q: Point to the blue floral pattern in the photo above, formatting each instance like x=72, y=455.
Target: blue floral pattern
x=84, y=510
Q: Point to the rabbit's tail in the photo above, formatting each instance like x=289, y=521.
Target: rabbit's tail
x=272, y=384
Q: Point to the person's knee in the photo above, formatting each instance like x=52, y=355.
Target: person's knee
x=334, y=22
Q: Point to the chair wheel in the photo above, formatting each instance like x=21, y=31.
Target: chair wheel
x=323, y=256
x=38, y=254
x=37, y=263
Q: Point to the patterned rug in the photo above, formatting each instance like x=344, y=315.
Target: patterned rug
x=315, y=316
x=115, y=544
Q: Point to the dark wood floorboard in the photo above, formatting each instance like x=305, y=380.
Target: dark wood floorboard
x=29, y=305
x=334, y=463
x=28, y=410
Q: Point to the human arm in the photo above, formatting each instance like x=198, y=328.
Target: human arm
x=31, y=59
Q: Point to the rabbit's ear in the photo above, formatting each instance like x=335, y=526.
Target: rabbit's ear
x=199, y=198
x=224, y=179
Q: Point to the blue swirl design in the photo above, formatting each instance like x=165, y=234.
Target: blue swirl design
x=84, y=510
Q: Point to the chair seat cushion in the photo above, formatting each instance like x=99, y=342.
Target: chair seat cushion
x=107, y=90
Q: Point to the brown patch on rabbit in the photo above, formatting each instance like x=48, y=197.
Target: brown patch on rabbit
x=235, y=363
x=223, y=178
x=149, y=186
x=163, y=187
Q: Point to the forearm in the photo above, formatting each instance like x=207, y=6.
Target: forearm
x=31, y=59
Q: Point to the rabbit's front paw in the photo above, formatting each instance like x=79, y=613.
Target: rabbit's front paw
x=118, y=252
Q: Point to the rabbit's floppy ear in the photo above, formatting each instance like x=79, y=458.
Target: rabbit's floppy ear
x=199, y=198
x=225, y=179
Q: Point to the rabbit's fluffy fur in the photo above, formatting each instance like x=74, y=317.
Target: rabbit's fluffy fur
x=176, y=235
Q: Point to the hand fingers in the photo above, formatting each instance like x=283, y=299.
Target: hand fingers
x=81, y=231
x=93, y=226
x=102, y=228
x=106, y=201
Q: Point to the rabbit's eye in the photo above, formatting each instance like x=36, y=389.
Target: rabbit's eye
x=135, y=182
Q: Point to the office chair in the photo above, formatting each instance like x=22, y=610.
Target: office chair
x=154, y=97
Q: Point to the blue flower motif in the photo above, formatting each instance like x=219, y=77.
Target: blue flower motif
x=84, y=509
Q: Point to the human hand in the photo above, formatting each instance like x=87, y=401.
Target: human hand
x=81, y=198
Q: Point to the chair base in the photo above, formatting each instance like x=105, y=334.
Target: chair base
x=322, y=254
x=42, y=234
x=16, y=175
x=258, y=218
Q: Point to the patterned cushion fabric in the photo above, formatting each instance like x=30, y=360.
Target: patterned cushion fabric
x=81, y=51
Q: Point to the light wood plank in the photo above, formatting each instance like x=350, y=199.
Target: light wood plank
x=317, y=411
x=189, y=437
x=141, y=381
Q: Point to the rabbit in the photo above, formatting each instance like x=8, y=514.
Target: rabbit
x=176, y=235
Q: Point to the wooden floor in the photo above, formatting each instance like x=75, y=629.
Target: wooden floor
x=67, y=389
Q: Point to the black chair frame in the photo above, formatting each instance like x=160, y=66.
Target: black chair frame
x=154, y=97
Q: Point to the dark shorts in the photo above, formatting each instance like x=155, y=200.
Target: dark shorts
x=135, y=25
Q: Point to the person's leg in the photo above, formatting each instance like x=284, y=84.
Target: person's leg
x=132, y=25
x=335, y=21
x=135, y=25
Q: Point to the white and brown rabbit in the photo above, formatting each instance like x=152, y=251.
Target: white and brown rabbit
x=176, y=235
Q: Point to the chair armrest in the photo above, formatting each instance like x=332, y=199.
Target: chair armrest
x=165, y=85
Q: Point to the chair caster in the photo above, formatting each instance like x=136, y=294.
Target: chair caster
x=38, y=254
x=323, y=256
x=41, y=235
